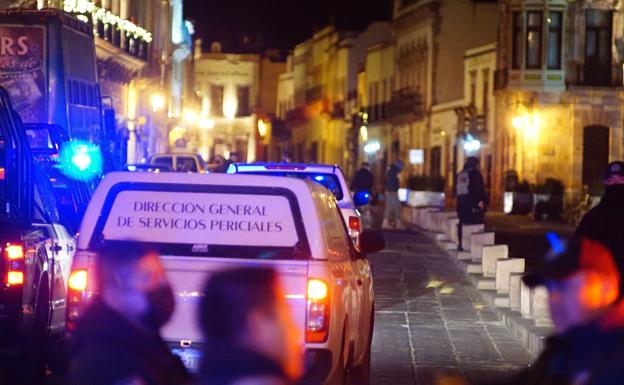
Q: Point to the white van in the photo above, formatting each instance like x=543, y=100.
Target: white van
x=205, y=223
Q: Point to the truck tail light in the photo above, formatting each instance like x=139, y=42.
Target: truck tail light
x=78, y=280
x=76, y=296
x=354, y=224
x=317, y=315
x=14, y=255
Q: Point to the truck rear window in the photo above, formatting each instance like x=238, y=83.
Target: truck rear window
x=230, y=222
x=330, y=181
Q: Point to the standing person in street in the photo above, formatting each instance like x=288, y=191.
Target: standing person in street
x=605, y=222
x=585, y=299
x=471, y=198
x=363, y=181
x=117, y=341
x=393, y=206
x=251, y=338
x=234, y=158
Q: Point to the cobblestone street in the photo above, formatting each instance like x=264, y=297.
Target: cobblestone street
x=430, y=320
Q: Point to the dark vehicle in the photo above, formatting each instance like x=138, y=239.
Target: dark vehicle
x=46, y=86
x=147, y=167
x=36, y=252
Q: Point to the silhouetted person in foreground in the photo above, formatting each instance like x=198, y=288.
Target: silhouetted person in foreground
x=585, y=298
x=117, y=340
x=605, y=222
x=251, y=338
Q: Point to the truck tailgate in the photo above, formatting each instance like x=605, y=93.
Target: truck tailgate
x=188, y=276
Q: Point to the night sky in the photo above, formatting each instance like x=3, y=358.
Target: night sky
x=252, y=25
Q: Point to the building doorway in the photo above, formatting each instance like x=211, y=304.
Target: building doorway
x=435, y=164
x=595, y=156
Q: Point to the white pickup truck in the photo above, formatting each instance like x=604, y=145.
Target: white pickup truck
x=206, y=223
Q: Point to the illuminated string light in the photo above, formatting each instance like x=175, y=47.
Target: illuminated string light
x=106, y=17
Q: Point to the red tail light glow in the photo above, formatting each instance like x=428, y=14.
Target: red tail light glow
x=317, y=315
x=78, y=280
x=354, y=223
x=15, y=278
x=14, y=254
x=14, y=251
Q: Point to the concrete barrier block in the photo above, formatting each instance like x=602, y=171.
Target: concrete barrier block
x=514, y=291
x=525, y=300
x=452, y=229
x=463, y=256
x=467, y=231
x=539, y=303
x=486, y=284
x=501, y=301
x=474, y=268
x=441, y=237
x=490, y=255
x=504, y=268
x=477, y=241
x=430, y=219
x=440, y=220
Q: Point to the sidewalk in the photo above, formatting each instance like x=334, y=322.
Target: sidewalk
x=430, y=319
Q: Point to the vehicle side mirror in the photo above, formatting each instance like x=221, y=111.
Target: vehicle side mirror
x=372, y=241
x=361, y=198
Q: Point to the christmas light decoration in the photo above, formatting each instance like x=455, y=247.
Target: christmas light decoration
x=99, y=14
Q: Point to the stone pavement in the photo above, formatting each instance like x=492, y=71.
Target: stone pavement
x=430, y=319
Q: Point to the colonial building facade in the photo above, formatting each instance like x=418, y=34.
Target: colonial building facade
x=431, y=39
x=559, y=92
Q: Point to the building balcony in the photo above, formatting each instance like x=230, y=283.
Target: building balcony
x=313, y=94
x=295, y=115
x=406, y=105
x=134, y=46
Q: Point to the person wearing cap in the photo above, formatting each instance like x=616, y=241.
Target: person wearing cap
x=585, y=299
x=393, y=206
x=470, y=191
x=605, y=222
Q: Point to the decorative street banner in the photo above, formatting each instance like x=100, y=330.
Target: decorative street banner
x=22, y=71
x=201, y=218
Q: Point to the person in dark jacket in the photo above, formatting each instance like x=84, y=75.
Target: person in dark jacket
x=363, y=179
x=587, y=311
x=393, y=205
x=471, y=198
x=250, y=336
x=116, y=341
x=605, y=222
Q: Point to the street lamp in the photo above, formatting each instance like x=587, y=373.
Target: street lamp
x=528, y=123
x=262, y=128
x=158, y=102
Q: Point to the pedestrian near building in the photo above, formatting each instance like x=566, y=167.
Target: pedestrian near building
x=605, y=222
x=117, y=341
x=363, y=179
x=250, y=336
x=585, y=298
x=393, y=205
x=471, y=197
